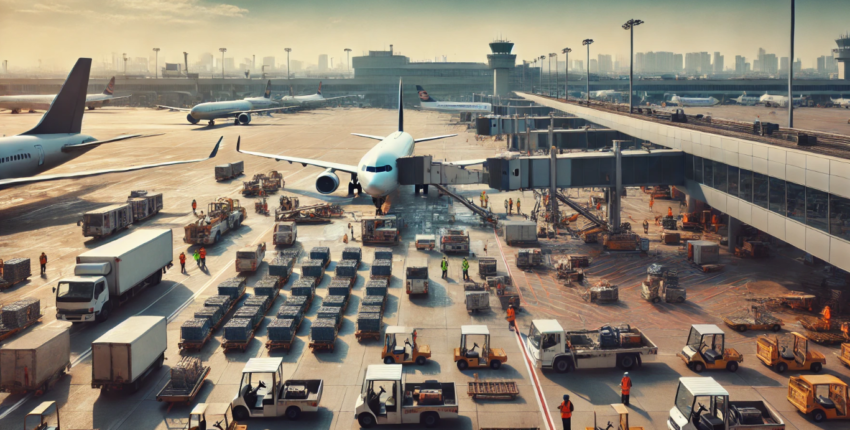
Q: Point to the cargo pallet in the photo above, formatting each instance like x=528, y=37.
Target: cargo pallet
x=170, y=394
x=362, y=335
x=229, y=345
x=322, y=346
x=11, y=332
x=825, y=338
x=351, y=280
x=273, y=345
x=384, y=277
x=492, y=390
x=189, y=345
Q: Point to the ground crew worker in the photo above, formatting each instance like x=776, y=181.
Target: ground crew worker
x=465, y=267
x=599, y=206
x=510, y=205
x=670, y=212
x=43, y=261
x=506, y=205
x=345, y=238
x=566, y=408
x=485, y=249
x=486, y=200
x=511, y=317
x=197, y=257
x=518, y=210
x=481, y=198
x=194, y=205
x=625, y=385
x=651, y=202
x=182, y=262
x=203, y=255
x=827, y=315
x=645, y=227
x=445, y=266
x=715, y=221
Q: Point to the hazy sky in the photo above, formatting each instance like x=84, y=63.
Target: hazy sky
x=60, y=31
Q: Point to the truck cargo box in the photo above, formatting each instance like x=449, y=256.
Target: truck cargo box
x=31, y=361
x=125, y=353
x=131, y=259
x=520, y=232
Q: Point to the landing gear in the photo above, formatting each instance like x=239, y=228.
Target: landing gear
x=211, y=123
x=16, y=111
x=379, y=202
x=32, y=111
x=236, y=121
x=91, y=107
x=354, y=185
x=423, y=188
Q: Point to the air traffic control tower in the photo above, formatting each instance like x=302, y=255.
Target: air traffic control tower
x=842, y=56
x=502, y=62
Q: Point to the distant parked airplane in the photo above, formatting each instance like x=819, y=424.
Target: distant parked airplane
x=841, y=102
x=311, y=99
x=694, y=101
x=778, y=101
x=16, y=104
x=240, y=110
x=429, y=103
x=746, y=100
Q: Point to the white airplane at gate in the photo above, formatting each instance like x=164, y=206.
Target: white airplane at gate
x=31, y=103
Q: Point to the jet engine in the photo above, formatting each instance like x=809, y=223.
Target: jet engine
x=244, y=118
x=191, y=119
x=327, y=182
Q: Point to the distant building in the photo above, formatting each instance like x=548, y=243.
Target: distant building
x=783, y=65
x=296, y=65
x=678, y=63
x=698, y=63
x=758, y=65
x=594, y=66
x=739, y=64
x=577, y=65
x=323, y=62
x=606, y=64
x=269, y=62
x=229, y=64
x=770, y=64
x=718, y=63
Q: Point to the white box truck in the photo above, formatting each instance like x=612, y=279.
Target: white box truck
x=34, y=362
x=109, y=275
x=125, y=355
x=520, y=232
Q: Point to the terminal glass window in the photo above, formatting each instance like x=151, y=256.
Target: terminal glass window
x=839, y=216
x=796, y=202
x=777, y=195
x=816, y=208
x=745, y=189
x=708, y=173
x=698, y=169
x=760, y=189
x=689, y=166
x=732, y=180
x=720, y=176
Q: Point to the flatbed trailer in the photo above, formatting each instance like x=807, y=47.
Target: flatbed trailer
x=824, y=337
x=316, y=346
x=5, y=282
x=362, y=335
x=492, y=390
x=242, y=345
x=274, y=345
x=756, y=318
x=170, y=394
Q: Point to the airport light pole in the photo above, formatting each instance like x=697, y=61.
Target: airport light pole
x=348, y=60
x=222, y=50
x=630, y=25
x=791, y=72
x=542, y=57
x=288, y=50
x=156, y=64
x=587, y=42
x=549, y=75
x=125, y=63
x=566, y=52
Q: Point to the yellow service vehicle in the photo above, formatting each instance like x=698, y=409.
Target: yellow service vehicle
x=485, y=356
x=823, y=397
x=403, y=353
x=771, y=353
x=706, y=350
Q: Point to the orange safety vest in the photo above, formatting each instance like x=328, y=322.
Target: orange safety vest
x=194, y=205
x=182, y=258
x=203, y=253
x=827, y=313
x=565, y=409
x=714, y=219
x=626, y=384
x=669, y=212
x=511, y=315
x=42, y=259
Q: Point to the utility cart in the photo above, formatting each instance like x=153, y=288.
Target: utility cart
x=185, y=383
x=623, y=413
x=485, y=356
x=416, y=276
x=702, y=403
x=822, y=397
x=406, y=352
x=486, y=267
x=425, y=242
x=387, y=398
x=771, y=353
x=248, y=259
x=263, y=392
x=220, y=417
x=753, y=318
x=706, y=349
x=528, y=258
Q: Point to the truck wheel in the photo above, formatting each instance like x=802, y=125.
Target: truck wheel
x=421, y=360
x=699, y=367
x=388, y=360
x=781, y=368
x=366, y=420
x=161, y=361
x=240, y=413
x=562, y=366
x=741, y=328
x=430, y=419
x=462, y=364
x=293, y=413
x=776, y=327
x=818, y=416
x=732, y=366
x=217, y=236
x=680, y=300
x=627, y=361
x=816, y=367
x=104, y=313
x=495, y=364
x=656, y=299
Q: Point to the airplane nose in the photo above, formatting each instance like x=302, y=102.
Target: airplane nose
x=194, y=113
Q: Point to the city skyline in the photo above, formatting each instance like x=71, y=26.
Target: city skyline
x=99, y=28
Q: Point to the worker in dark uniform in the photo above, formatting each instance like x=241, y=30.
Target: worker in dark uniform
x=566, y=408
x=445, y=266
x=645, y=227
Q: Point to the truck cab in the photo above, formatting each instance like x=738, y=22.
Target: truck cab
x=545, y=343
x=248, y=259
x=44, y=417
x=263, y=393
x=83, y=298
x=385, y=398
x=703, y=404
x=706, y=349
x=209, y=416
x=425, y=242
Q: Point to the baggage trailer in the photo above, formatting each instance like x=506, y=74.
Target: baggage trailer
x=176, y=392
x=144, y=205
x=380, y=230
x=772, y=354
x=456, y=241
x=427, y=403
x=222, y=216
x=704, y=401
x=248, y=259
x=14, y=271
x=220, y=417
x=821, y=397
x=18, y=316
x=263, y=393
x=34, y=362
x=416, y=274
x=607, y=347
x=753, y=318
x=492, y=390
x=106, y=220
x=124, y=356
x=112, y=274
x=229, y=170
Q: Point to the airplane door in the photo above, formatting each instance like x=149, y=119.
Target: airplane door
x=40, y=154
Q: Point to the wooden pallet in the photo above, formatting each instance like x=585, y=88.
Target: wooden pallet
x=362, y=335
x=492, y=390
x=273, y=345
x=186, y=345
x=322, y=346
x=825, y=338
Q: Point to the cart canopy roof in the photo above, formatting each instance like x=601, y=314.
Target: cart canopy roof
x=199, y=409
x=263, y=365
x=822, y=380
x=474, y=329
x=43, y=408
x=384, y=372
x=707, y=329
x=703, y=386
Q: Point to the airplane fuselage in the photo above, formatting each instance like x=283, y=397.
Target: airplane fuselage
x=457, y=107
x=694, y=101
x=29, y=155
x=302, y=99
x=377, y=171
x=42, y=102
x=216, y=110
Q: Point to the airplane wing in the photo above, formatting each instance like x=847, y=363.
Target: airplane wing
x=101, y=142
x=368, y=136
x=425, y=139
x=173, y=108
x=303, y=161
x=340, y=97
x=43, y=178
x=269, y=110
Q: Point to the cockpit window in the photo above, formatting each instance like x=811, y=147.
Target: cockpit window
x=379, y=169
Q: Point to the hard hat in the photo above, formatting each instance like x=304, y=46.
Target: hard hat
x=626, y=374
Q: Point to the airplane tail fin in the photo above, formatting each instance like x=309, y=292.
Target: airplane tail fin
x=268, y=93
x=400, y=108
x=66, y=112
x=290, y=91
x=320, y=88
x=110, y=87
x=744, y=94
x=423, y=95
